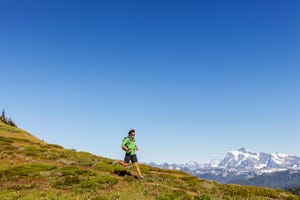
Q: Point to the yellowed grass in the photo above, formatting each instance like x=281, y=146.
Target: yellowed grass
x=13, y=132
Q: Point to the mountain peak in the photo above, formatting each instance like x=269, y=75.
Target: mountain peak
x=242, y=149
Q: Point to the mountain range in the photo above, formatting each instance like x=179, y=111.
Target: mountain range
x=275, y=170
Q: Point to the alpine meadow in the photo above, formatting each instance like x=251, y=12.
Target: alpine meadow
x=33, y=169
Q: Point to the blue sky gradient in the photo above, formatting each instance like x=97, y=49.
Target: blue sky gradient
x=195, y=79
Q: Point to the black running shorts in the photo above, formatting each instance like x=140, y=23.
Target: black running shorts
x=131, y=158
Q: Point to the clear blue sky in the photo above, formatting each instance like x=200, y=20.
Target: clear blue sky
x=196, y=79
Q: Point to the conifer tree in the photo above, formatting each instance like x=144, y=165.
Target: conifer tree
x=11, y=123
x=7, y=121
x=3, y=119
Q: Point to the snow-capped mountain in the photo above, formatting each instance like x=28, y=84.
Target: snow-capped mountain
x=238, y=164
x=244, y=160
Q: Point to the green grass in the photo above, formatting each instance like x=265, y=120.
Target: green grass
x=28, y=170
x=33, y=169
x=175, y=194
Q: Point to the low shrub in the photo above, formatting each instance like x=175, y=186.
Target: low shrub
x=81, y=180
x=71, y=176
x=102, y=166
x=67, y=171
x=33, y=151
x=175, y=194
x=106, y=181
x=203, y=197
x=6, y=139
x=190, y=183
x=66, y=182
x=30, y=170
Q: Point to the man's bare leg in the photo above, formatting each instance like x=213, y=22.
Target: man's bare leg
x=138, y=169
x=123, y=163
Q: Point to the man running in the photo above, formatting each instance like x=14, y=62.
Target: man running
x=129, y=146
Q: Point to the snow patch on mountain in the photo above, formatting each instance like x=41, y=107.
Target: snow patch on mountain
x=238, y=164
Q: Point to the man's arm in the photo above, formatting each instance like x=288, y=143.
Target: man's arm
x=126, y=148
x=124, y=145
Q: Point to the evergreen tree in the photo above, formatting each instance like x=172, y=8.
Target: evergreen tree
x=11, y=123
x=3, y=118
x=7, y=121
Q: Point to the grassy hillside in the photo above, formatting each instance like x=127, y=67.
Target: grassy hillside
x=33, y=169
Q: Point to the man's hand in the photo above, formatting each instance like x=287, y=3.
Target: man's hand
x=128, y=151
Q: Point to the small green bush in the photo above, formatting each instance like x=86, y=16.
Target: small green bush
x=22, y=186
x=78, y=158
x=7, y=147
x=99, y=182
x=81, y=180
x=102, y=166
x=71, y=176
x=235, y=190
x=175, y=194
x=50, y=155
x=129, y=178
x=190, y=183
x=6, y=139
x=24, y=140
x=106, y=181
x=33, y=151
x=30, y=170
x=67, y=171
x=66, y=182
x=203, y=197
